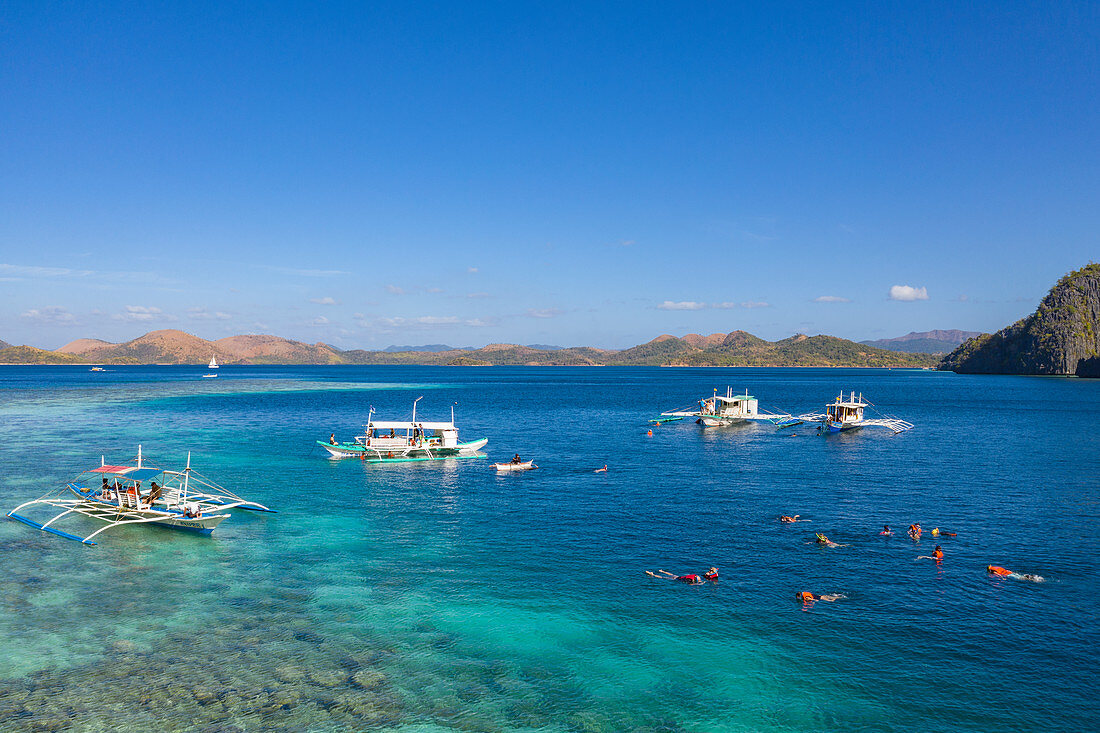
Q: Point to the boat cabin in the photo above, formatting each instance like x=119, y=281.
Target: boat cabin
x=848, y=410
x=730, y=405
x=392, y=435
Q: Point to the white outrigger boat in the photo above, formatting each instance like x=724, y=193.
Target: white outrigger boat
x=846, y=414
x=113, y=494
x=518, y=466
x=386, y=441
x=731, y=409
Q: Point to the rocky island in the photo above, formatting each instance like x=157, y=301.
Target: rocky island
x=1059, y=338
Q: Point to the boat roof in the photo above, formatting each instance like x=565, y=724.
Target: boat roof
x=407, y=425
x=130, y=472
x=734, y=398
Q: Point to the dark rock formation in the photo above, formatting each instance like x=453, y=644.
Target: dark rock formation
x=1060, y=337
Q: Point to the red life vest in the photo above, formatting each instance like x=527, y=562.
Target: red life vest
x=689, y=579
x=710, y=576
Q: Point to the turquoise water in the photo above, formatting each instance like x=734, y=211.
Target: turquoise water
x=440, y=596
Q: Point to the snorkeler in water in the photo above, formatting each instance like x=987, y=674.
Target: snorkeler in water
x=998, y=571
x=808, y=598
x=886, y=530
x=937, y=555
x=915, y=531
x=823, y=540
x=691, y=579
x=788, y=519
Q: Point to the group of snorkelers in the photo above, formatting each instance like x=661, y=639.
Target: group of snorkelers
x=915, y=531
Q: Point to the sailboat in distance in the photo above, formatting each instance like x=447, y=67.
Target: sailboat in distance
x=213, y=363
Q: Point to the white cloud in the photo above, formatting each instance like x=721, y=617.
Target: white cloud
x=323, y=301
x=831, y=299
x=32, y=271
x=142, y=314
x=543, y=312
x=319, y=321
x=201, y=314
x=433, y=290
x=471, y=269
x=50, y=316
x=908, y=292
x=478, y=295
x=683, y=305
x=395, y=290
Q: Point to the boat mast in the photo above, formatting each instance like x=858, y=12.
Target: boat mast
x=139, y=455
x=186, y=478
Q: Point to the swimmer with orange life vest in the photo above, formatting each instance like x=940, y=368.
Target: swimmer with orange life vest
x=691, y=579
x=915, y=531
x=999, y=572
x=808, y=598
x=937, y=555
x=792, y=518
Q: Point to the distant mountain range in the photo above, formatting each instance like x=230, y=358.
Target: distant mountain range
x=925, y=342
x=719, y=349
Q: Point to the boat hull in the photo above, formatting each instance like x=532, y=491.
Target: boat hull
x=407, y=453
x=508, y=467
x=832, y=427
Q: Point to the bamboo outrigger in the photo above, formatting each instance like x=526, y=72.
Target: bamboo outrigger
x=178, y=499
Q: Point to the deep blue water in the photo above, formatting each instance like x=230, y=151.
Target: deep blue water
x=440, y=596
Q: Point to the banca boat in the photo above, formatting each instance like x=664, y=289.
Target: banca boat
x=847, y=413
x=730, y=409
x=520, y=466
x=113, y=494
x=385, y=441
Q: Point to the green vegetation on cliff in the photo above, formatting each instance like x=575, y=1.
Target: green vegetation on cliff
x=1060, y=337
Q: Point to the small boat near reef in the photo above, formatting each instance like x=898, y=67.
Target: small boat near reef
x=113, y=494
x=386, y=441
x=520, y=466
x=209, y=376
x=847, y=413
x=730, y=409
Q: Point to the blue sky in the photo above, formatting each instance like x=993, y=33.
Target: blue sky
x=541, y=173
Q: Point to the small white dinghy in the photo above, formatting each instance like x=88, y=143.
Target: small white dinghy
x=521, y=466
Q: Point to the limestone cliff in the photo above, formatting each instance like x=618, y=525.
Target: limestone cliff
x=1060, y=337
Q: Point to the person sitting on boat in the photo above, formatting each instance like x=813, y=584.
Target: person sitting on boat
x=516, y=459
x=691, y=579
x=154, y=493
x=332, y=439
x=191, y=511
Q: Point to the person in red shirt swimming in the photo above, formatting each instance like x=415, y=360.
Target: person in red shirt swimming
x=691, y=579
